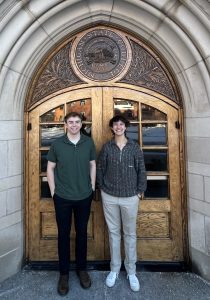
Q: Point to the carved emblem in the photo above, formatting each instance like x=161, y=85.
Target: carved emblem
x=100, y=55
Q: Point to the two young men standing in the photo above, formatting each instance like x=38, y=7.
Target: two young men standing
x=71, y=176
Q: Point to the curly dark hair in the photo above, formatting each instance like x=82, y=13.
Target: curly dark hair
x=118, y=118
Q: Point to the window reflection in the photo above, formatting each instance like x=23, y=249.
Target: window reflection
x=49, y=133
x=45, y=190
x=54, y=115
x=151, y=113
x=129, y=109
x=43, y=162
x=155, y=160
x=82, y=107
x=132, y=132
x=86, y=129
x=157, y=187
x=154, y=134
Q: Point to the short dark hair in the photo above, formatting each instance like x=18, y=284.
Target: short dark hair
x=73, y=114
x=118, y=118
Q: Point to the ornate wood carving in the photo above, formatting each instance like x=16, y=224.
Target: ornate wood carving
x=57, y=75
x=145, y=71
x=102, y=55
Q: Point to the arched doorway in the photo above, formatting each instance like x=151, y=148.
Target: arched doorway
x=155, y=124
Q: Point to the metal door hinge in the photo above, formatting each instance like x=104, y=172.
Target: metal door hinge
x=29, y=126
x=177, y=124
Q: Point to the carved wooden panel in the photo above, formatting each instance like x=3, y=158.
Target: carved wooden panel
x=146, y=71
x=57, y=75
x=98, y=55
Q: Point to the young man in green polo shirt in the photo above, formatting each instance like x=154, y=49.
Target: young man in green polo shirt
x=71, y=173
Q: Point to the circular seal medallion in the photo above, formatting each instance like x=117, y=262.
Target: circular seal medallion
x=101, y=54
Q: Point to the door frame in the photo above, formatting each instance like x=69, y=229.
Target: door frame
x=184, y=215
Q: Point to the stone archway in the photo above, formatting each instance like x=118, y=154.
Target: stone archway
x=167, y=26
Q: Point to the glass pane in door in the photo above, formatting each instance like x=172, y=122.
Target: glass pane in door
x=154, y=134
x=54, y=115
x=129, y=109
x=82, y=106
x=151, y=113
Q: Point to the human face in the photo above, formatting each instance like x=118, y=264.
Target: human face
x=119, y=128
x=73, y=125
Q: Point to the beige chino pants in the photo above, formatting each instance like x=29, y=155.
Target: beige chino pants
x=117, y=211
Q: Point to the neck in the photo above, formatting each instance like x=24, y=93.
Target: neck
x=120, y=139
x=73, y=137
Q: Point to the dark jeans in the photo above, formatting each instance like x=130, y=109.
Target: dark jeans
x=63, y=210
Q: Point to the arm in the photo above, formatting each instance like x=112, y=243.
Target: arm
x=93, y=173
x=141, y=172
x=50, y=176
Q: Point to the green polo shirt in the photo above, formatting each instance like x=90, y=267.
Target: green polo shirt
x=72, y=171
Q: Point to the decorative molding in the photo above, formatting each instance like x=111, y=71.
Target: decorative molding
x=146, y=71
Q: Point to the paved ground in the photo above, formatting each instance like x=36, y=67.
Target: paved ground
x=41, y=285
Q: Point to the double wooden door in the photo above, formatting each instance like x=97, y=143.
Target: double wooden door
x=152, y=125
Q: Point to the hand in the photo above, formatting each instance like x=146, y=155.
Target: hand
x=139, y=195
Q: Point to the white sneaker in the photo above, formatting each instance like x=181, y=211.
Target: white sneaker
x=134, y=283
x=111, y=278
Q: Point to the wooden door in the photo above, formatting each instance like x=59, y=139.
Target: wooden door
x=152, y=124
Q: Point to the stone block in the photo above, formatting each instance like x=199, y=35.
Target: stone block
x=9, y=80
x=198, y=127
x=10, y=130
x=3, y=203
x=196, y=186
x=197, y=231
x=200, y=263
x=11, y=263
x=16, y=26
x=198, y=76
x=11, y=238
x=201, y=207
x=63, y=16
x=4, y=158
x=14, y=200
x=207, y=233
x=198, y=150
x=10, y=182
x=188, y=20
x=198, y=168
x=15, y=158
x=10, y=220
x=207, y=189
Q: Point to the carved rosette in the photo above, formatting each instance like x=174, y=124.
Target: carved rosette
x=100, y=55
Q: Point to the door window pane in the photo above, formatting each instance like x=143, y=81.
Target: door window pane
x=154, y=134
x=132, y=132
x=45, y=190
x=155, y=160
x=43, y=162
x=129, y=109
x=86, y=129
x=83, y=107
x=157, y=187
x=49, y=133
x=54, y=115
x=151, y=113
